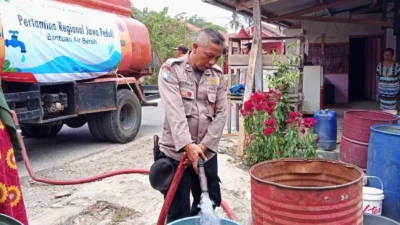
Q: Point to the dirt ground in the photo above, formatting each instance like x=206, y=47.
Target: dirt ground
x=126, y=199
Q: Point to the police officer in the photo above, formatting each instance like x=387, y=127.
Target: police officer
x=193, y=93
x=181, y=50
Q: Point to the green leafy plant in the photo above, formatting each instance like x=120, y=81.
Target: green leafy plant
x=7, y=68
x=283, y=80
x=264, y=140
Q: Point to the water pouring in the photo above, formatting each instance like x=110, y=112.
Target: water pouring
x=207, y=213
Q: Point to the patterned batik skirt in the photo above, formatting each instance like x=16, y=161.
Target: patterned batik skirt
x=11, y=200
x=388, y=93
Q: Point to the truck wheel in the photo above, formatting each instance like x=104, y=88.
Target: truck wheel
x=44, y=131
x=76, y=122
x=96, y=127
x=122, y=125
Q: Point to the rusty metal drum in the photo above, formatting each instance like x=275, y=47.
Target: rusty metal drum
x=297, y=191
x=356, y=133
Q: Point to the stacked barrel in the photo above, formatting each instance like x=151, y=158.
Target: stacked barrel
x=356, y=134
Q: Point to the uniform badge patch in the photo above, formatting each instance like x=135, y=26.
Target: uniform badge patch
x=186, y=94
x=214, y=81
x=165, y=71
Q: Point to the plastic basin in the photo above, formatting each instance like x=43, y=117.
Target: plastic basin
x=370, y=219
x=6, y=220
x=195, y=221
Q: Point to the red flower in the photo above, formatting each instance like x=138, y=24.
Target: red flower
x=270, y=110
x=261, y=106
x=309, y=122
x=292, y=115
x=272, y=104
x=242, y=112
x=268, y=131
x=246, y=145
x=248, y=106
x=256, y=97
x=281, y=87
x=289, y=120
x=278, y=95
x=303, y=130
x=318, y=138
x=270, y=122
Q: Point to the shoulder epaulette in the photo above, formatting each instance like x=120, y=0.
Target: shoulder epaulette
x=171, y=61
x=217, y=68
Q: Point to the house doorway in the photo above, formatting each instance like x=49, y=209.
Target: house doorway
x=364, y=56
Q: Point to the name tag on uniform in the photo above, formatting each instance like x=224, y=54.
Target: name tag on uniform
x=211, y=88
x=186, y=84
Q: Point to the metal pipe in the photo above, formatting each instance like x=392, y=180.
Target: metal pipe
x=202, y=177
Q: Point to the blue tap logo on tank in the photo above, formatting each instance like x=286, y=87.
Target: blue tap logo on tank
x=14, y=42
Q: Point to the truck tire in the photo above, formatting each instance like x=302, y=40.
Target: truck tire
x=96, y=127
x=122, y=125
x=43, y=131
x=76, y=122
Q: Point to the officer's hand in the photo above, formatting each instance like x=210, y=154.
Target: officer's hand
x=193, y=152
x=203, y=147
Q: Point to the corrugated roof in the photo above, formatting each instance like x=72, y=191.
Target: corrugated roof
x=282, y=7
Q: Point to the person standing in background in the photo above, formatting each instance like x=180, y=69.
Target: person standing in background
x=181, y=50
x=246, y=50
x=388, y=75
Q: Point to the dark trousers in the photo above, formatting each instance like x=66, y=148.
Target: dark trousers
x=180, y=207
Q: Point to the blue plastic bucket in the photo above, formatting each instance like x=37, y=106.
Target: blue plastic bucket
x=7, y=220
x=384, y=163
x=195, y=221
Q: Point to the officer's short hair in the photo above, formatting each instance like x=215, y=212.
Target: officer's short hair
x=210, y=35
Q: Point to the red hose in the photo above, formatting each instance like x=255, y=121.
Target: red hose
x=167, y=201
x=171, y=191
x=228, y=210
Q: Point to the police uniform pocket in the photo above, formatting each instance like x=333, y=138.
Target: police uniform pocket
x=188, y=105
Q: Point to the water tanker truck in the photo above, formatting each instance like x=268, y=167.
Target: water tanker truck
x=72, y=62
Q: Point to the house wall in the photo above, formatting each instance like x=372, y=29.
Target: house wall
x=340, y=33
x=390, y=40
x=277, y=46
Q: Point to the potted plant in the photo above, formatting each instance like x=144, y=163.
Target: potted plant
x=272, y=129
x=263, y=139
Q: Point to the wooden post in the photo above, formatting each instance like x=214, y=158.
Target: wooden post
x=254, y=71
x=257, y=37
x=229, y=122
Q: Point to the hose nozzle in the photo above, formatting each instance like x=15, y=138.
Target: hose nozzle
x=202, y=177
